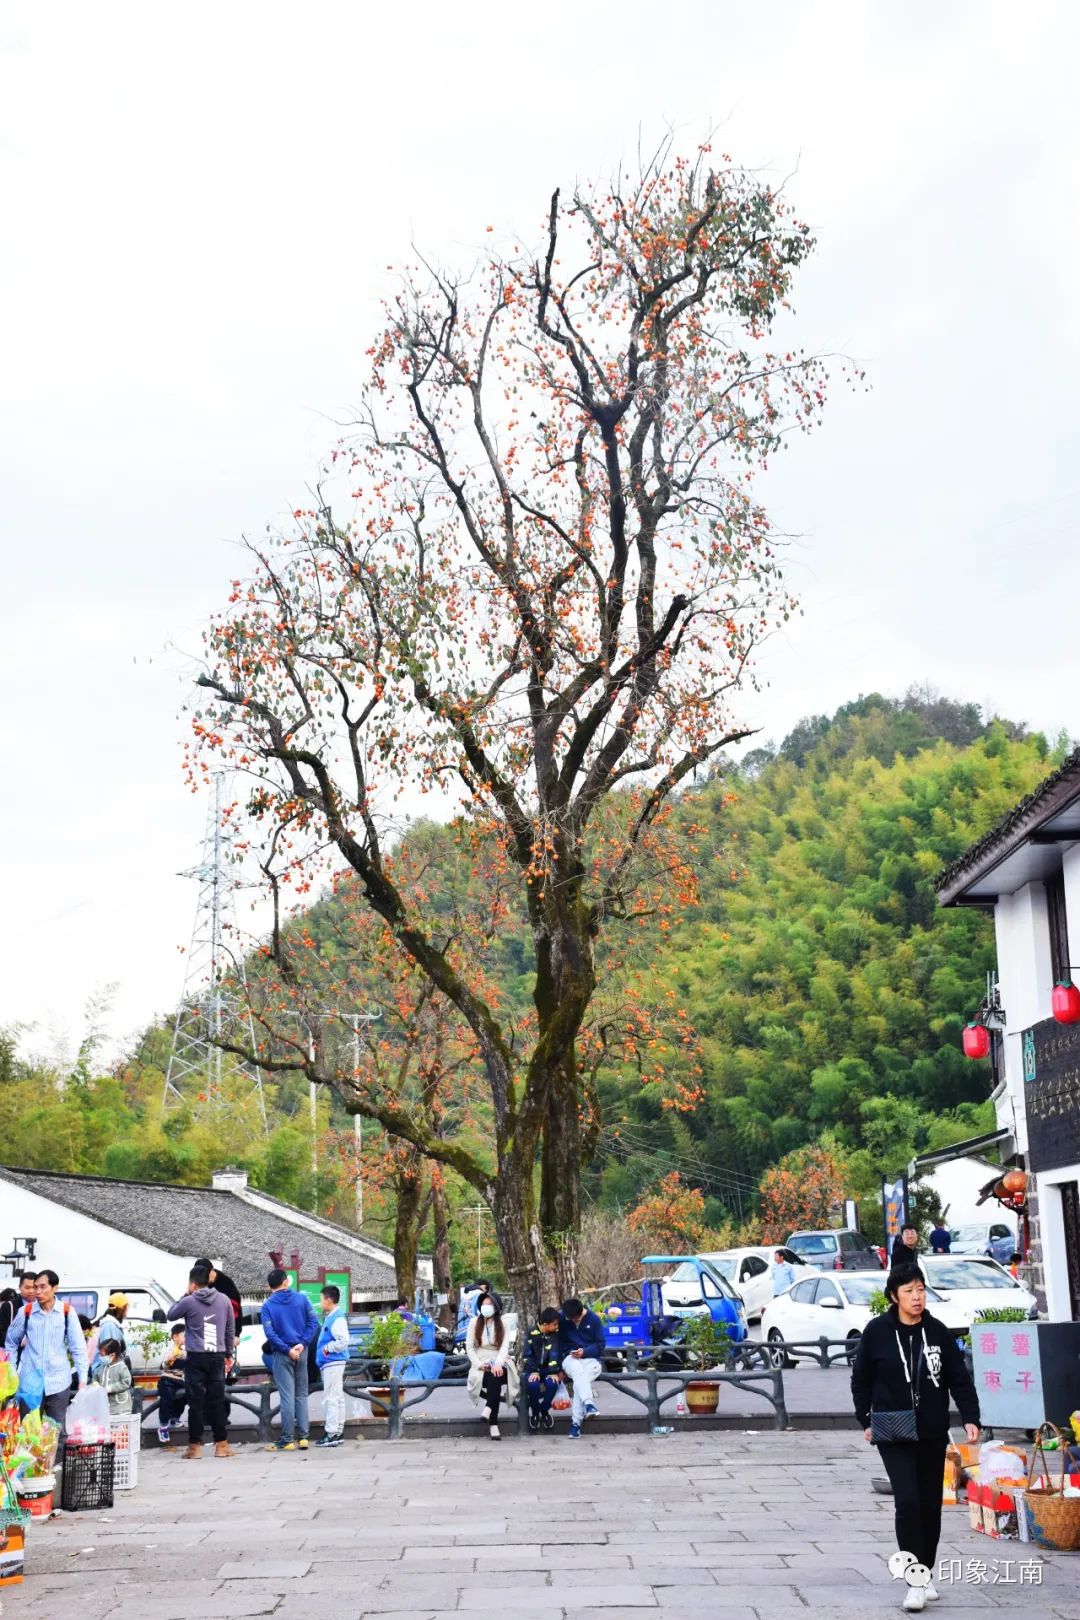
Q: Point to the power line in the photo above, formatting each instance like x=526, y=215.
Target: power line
x=641, y=1145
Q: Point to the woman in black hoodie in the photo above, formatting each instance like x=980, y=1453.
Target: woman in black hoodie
x=908, y=1362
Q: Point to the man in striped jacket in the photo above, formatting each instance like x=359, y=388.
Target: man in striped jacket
x=48, y=1335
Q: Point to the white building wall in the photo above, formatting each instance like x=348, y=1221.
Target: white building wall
x=1022, y=932
x=78, y=1248
x=1070, y=867
x=958, y=1183
x=1055, y=1273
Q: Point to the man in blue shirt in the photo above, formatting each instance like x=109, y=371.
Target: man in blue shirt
x=581, y=1345
x=290, y=1325
x=51, y=1343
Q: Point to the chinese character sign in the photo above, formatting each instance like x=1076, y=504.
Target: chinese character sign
x=1008, y=1375
x=894, y=1206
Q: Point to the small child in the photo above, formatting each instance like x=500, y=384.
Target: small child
x=172, y=1396
x=114, y=1377
x=1014, y=1266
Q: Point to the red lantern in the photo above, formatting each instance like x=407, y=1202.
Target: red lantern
x=1015, y=1182
x=976, y=1041
x=1065, y=1002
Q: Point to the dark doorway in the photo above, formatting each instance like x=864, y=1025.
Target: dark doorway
x=1070, y=1215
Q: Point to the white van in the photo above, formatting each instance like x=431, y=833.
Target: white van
x=148, y=1301
x=148, y=1304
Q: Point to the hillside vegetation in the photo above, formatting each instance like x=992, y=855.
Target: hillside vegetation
x=818, y=989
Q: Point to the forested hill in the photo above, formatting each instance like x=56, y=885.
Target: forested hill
x=827, y=988
x=824, y=987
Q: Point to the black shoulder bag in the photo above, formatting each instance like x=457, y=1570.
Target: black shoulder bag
x=889, y=1427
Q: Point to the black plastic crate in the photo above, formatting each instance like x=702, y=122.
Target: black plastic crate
x=88, y=1477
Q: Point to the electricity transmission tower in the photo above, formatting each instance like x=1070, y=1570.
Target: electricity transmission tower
x=213, y=1003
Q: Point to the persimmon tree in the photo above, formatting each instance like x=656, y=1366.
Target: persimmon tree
x=533, y=576
x=802, y=1190
x=673, y=1216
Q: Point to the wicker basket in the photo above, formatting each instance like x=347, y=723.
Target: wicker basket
x=1053, y=1517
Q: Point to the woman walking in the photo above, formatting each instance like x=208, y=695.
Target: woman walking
x=906, y=1367
x=491, y=1373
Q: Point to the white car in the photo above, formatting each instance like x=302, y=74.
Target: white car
x=976, y=1283
x=749, y=1271
x=838, y=1307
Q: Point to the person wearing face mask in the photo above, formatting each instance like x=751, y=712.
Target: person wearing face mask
x=491, y=1372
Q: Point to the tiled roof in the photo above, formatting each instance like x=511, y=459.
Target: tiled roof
x=189, y=1221
x=1047, y=799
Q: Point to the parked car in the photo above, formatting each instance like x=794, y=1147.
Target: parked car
x=995, y=1239
x=981, y=1283
x=749, y=1271
x=838, y=1307
x=839, y=1249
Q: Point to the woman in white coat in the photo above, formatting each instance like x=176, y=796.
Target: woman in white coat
x=491, y=1372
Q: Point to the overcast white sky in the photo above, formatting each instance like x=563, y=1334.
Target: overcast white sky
x=199, y=205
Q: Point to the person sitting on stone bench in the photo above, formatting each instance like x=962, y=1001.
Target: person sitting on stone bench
x=542, y=1369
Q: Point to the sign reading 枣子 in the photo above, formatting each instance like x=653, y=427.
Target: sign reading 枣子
x=1008, y=1374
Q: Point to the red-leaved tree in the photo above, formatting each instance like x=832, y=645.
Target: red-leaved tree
x=535, y=574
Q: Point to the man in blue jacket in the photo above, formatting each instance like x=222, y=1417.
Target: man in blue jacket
x=290, y=1324
x=581, y=1345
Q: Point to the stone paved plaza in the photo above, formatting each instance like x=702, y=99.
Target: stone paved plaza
x=756, y=1524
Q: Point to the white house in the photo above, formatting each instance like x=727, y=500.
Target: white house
x=94, y=1226
x=959, y=1181
x=1026, y=870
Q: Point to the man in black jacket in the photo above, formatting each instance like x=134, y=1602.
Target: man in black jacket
x=542, y=1370
x=906, y=1367
x=905, y=1248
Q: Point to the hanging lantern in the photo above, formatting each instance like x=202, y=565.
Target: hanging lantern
x=1015, y=1183
x=976, y=1040
x=1065, y=1002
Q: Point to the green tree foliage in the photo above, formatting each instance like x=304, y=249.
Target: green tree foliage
x=827, y=988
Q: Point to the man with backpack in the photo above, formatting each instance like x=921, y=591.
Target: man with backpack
x=46, y=1341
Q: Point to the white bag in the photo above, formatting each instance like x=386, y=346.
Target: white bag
x=87, y=1417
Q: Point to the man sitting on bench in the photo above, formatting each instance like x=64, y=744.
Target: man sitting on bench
x=581, y=1345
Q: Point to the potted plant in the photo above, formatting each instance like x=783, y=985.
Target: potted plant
x=391, y=1339
x=706, y=1344
x=152, y=1339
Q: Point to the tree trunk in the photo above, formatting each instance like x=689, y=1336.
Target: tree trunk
x=440, y=1252
x=518, y=1234
x=409, y=1186
x=560, y=1178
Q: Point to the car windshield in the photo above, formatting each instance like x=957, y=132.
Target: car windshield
x=968, y=1234
x=726, y=1267
x=813, y=1243
x=860, y=1289
x=969, y=1274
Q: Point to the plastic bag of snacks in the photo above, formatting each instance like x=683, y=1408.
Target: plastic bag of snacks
x=36, y=1446
x=87, y=1421
x=9, y=1378
x=9, y=1428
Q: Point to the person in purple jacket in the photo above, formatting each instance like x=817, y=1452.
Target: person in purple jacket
x=210, y=1342
x=290, y=1324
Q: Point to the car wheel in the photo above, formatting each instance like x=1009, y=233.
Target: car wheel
x=778, y=1357
x=852, y=1346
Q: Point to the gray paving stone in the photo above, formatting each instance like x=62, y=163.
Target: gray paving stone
x=264, y=1569
x=750, y=1525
